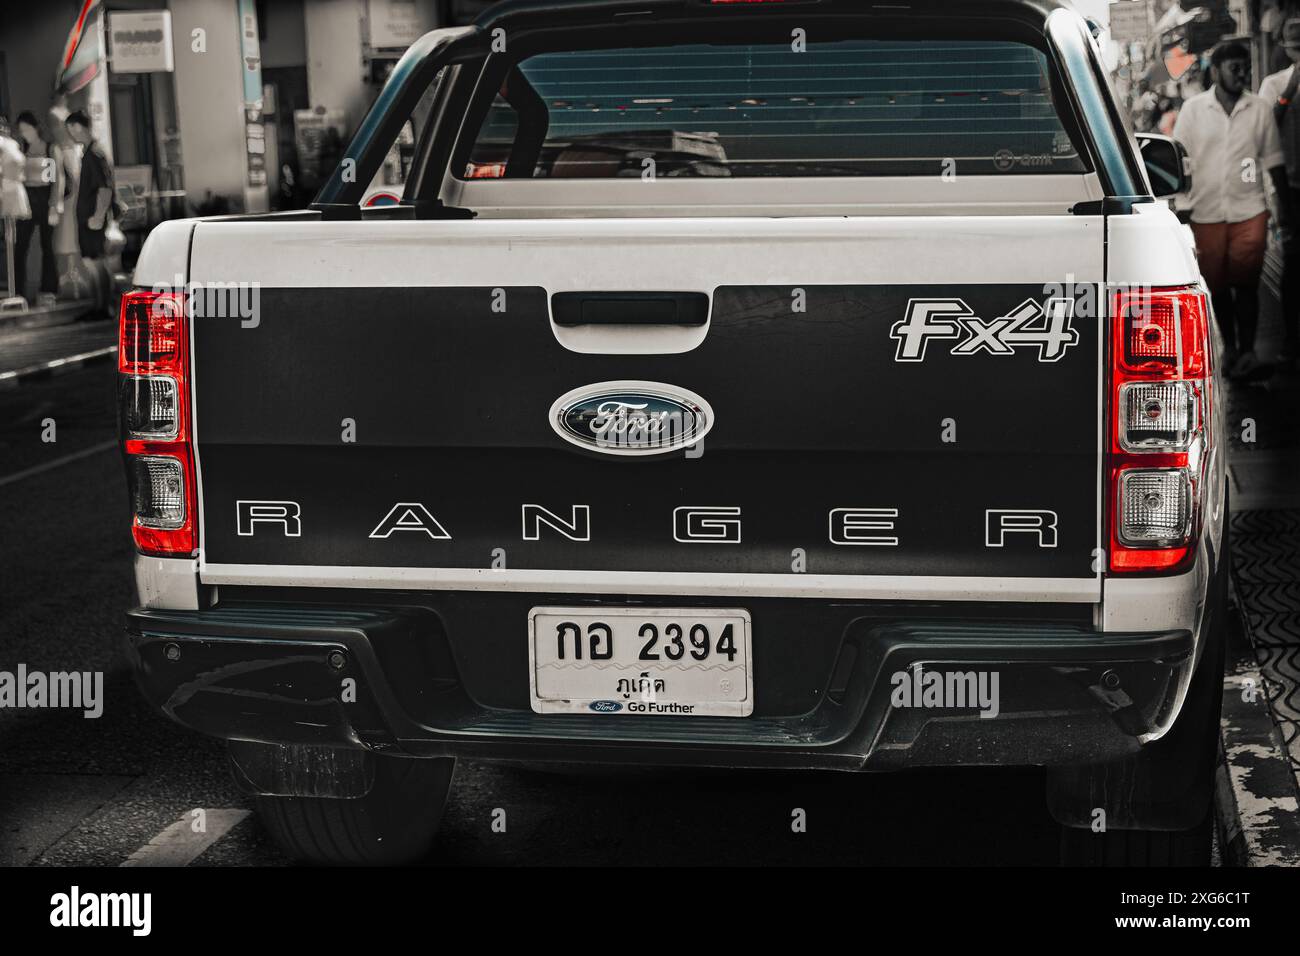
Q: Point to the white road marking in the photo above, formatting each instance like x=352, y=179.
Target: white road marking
x=180, y=845
x=12, y=377
x=76, y=455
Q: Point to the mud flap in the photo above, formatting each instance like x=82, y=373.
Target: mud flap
x=1156, y=789
x=301, y=770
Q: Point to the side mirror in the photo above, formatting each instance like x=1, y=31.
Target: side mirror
x=1166, y=161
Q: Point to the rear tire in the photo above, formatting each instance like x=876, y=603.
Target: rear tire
x=392, y=824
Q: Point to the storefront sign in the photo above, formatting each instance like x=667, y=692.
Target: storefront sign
x=1130, y=20
x=140, y=41
x=399, y=23
x=250, y=54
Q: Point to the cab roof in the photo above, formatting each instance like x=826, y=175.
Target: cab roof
x=535, y=11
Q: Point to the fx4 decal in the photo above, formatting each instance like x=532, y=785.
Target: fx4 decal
x=1029, y=325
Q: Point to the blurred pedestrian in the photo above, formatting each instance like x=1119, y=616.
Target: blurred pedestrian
x=1166, y=116
x=65, y=233
x=1280, y=90
x=94, y=199
x=14, y=207
x=1232, y=138
x=44, y=181
x=1144, y=108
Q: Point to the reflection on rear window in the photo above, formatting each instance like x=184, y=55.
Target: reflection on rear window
x=846, y=108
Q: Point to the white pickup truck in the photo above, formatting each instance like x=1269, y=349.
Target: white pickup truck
x=736, y=384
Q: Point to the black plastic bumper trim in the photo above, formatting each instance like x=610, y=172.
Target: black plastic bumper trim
x=277, y=674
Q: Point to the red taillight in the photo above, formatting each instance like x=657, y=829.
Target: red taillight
x=154, y=421
x=485, y=170
x=1163, y=332
x=1159, y=410
x=151, y=332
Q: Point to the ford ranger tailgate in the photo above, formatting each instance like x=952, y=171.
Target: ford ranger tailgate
x=886, y=396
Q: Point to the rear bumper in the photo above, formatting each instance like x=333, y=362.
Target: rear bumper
x=451, y=680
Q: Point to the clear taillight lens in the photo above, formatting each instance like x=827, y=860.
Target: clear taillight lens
x=1158, y=416
x=1155, y=507
x=149, y=406
x=158, y=490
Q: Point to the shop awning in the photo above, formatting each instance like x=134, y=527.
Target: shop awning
x=83, y=55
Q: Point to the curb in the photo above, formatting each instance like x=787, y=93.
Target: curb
x=16, y=377
x=62, y=313
x=1255, y=792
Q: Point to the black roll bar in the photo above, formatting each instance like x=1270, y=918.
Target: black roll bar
x=340, y=197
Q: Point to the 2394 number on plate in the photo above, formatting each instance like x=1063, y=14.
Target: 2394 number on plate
x=650, y=661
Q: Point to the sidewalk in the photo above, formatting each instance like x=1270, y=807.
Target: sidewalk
x=1263, y=425
x=41, y=317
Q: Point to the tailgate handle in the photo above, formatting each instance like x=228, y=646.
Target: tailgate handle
x=630, y=308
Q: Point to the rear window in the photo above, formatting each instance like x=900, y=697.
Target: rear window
x=846, y=108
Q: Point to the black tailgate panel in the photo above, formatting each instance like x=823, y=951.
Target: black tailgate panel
x=812, y=412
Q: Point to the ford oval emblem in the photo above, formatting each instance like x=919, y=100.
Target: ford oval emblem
x=605, y=706
x=631, y=418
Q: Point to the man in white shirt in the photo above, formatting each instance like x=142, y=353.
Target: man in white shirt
x=1232, y=138
x=1280, y=90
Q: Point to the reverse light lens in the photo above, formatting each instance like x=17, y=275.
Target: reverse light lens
x=149, y=406
x=158, y=491
x=1158, y=415
x=1155, y=507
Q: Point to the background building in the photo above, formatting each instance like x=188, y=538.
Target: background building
x=212, y=105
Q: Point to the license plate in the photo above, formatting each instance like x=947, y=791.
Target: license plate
x=691, y=662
